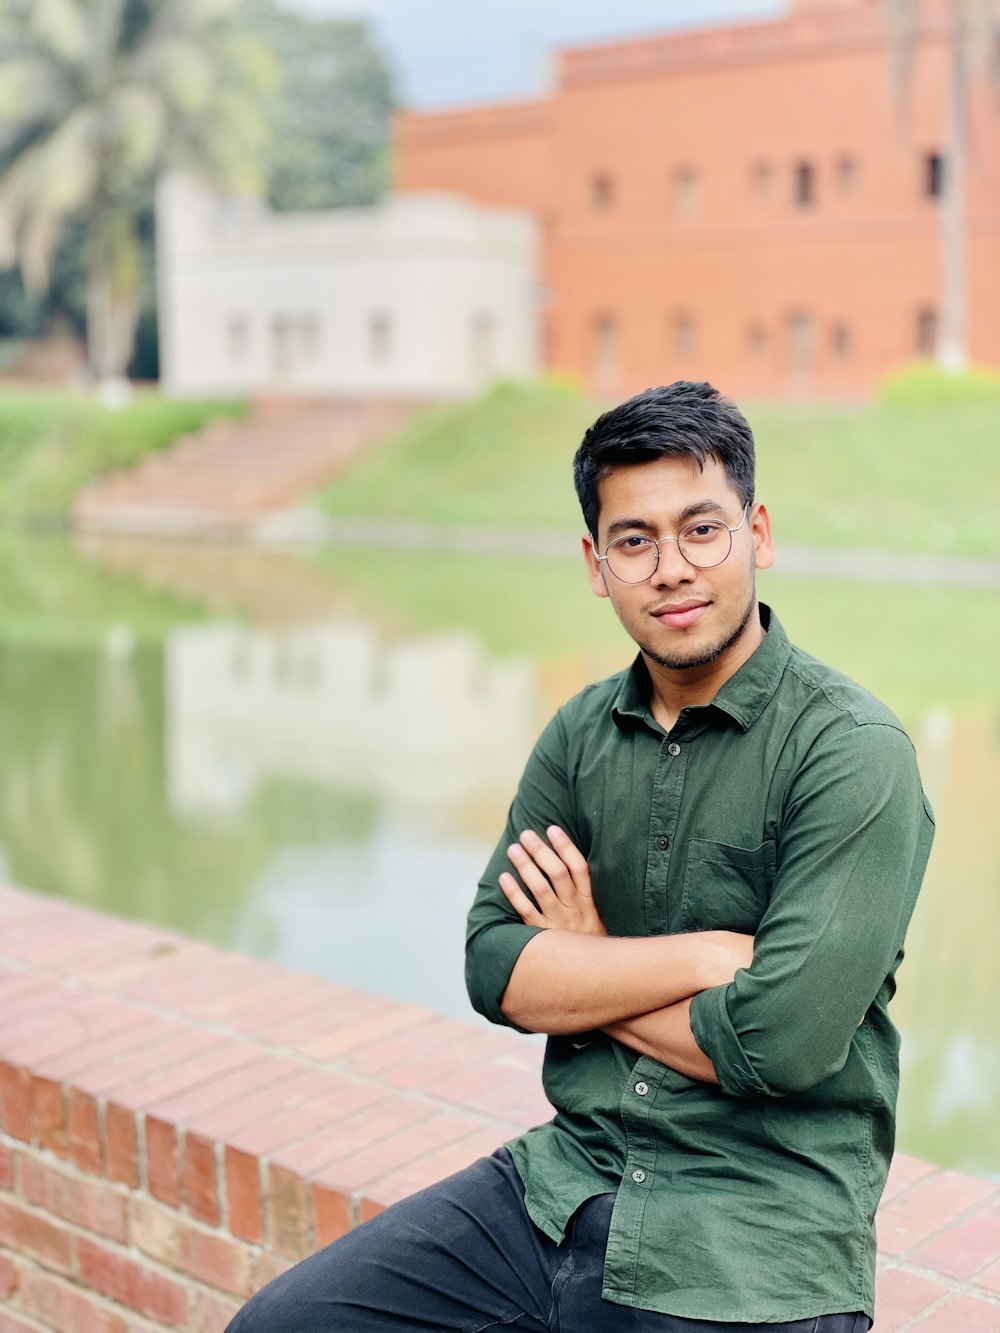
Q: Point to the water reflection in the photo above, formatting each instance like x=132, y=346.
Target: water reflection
x=321, y=782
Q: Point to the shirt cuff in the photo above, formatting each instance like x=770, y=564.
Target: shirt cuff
x=713, y=1030
x=489, y=962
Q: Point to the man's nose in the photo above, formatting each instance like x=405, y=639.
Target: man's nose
x=672, y=568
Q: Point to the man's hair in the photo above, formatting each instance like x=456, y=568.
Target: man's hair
x=681, y=420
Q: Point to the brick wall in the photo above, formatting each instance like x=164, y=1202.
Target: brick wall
x=178, y=1124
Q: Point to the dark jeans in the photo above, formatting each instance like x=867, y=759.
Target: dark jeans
x=464, y=1255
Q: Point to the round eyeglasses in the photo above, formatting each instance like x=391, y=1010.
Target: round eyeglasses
x=704, y=544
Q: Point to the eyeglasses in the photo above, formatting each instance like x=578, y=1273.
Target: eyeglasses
x=704, y=544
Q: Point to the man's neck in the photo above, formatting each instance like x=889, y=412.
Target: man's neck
x=690, y=687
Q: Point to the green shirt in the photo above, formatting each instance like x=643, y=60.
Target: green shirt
x=789, y=808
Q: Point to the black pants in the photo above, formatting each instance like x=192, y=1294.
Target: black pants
x=464, y=1255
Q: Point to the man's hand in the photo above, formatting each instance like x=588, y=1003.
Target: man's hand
x=559, y=880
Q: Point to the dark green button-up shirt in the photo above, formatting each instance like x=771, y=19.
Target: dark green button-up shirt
x=789, y=808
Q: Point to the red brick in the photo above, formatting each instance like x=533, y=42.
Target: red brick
x=199, y=1184
x=87, y=1204
x=48, y=1115
x=121, y=1146
x=903, y=1172
x=27, y=1233
x=64, y=1308
x=350, y=1036
x=399, y=1151
x=341, y=1100
x=6, y=1167
x=262, y=1072
x=205, y=1067
x=331, y=1214
x=962, y=1314
x=133, y=1284
x=348, y=1137
x=288, y=1220
x=929, y=1206
x=964, y=1248
x=8, y=1278
x=397, y=1050
x=243, y=1194
x=425, y=1171
x=900, y=1295
x=9, y=1324
x=162, y=1161
x=308, y=1085
x=989, y=1278
x=207, y=1256
x=86, y=1147
x=308, y=996
x=270, y=1266
x=15, y=1101
x=136, y=1067
x=212, y=1314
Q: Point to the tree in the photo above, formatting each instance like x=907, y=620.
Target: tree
x=97, y=98
x=972, y=45
x=331, y=113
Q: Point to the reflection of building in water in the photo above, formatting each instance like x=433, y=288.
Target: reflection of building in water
x=430, y=726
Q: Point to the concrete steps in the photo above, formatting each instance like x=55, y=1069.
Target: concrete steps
x=232, y=474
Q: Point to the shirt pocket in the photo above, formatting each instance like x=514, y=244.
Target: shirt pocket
x=726, y=888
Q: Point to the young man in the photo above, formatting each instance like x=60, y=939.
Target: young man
x=701, y=896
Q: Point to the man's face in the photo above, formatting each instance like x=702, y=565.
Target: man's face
x=682, y=617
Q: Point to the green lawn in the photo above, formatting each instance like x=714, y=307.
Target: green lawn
x=921, y=475
x=53, y=443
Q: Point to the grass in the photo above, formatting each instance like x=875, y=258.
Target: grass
x=910, y=473
x=53, y=444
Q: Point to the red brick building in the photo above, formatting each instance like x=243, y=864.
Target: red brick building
x=752, y=203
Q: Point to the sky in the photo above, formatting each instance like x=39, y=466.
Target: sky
x=448, y=52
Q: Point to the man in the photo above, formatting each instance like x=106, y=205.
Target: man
x=701, y=897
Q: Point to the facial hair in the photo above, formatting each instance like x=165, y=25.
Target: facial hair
x=707, y=654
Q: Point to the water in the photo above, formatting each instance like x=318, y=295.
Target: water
x=310, y=760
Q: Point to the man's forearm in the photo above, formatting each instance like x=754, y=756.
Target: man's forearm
x=665, y=1035
x=565, y=982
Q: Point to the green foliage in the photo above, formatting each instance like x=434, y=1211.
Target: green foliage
x=870, y=477
x=330, y=115
x=925, y=386
x=51, y=445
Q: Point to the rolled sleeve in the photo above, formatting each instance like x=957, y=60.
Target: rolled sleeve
x=851, y=855
x=496, y=935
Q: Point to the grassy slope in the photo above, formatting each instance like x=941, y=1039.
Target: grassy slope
x=882, y=476
x=52, y=444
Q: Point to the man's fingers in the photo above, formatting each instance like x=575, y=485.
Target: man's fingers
x=533, y=878
x=520, y=901
x=572, y=856
x=565, y=878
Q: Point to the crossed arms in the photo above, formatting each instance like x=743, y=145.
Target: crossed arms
x=573, y=977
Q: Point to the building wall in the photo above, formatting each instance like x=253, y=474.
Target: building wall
x=676, y=239
x=422, y=295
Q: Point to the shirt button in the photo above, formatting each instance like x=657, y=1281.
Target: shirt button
x=663, y=843
x=641, y=1089
x=638, y=1176
x=673, y=749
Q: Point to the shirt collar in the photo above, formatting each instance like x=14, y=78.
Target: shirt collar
x=743, y=697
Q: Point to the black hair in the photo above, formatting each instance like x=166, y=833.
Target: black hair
x=681, y=420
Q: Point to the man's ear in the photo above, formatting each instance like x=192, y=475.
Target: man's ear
x=595, y=568
x=763, y=541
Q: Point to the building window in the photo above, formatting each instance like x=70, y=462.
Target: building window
x=933, y=176
x=605, y=358
x=841, y=342
x=238, y=337
x=926, y=332
x=483, y=342
x=847, y=173
x=380, y=338
x=602, y=192
x=804, y=188
x=762, y=180
x=684, y=339
x=800, y=344
x=686, y=193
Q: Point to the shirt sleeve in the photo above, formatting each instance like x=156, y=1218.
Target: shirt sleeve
x=496, y=934
x=852, y=849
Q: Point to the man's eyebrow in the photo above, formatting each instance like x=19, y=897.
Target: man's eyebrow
x=643, y=524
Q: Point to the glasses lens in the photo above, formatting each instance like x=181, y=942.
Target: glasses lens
x=632, y=559
x=705, y=544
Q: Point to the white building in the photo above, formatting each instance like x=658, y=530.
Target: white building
x=421, y=295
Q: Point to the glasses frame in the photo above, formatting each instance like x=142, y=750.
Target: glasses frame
x=657, y=542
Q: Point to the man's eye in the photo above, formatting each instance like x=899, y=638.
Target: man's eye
x=702, y=532
x=633, y=545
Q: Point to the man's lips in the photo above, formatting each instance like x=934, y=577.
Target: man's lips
x=679, y=615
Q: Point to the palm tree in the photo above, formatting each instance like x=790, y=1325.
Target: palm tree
x=972, y=43
x=97, y=99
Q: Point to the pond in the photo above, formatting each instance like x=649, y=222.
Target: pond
x=309, y=759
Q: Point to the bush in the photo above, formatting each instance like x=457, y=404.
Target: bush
x=923, y=385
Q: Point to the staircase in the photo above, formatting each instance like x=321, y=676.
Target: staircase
x=232, y=475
